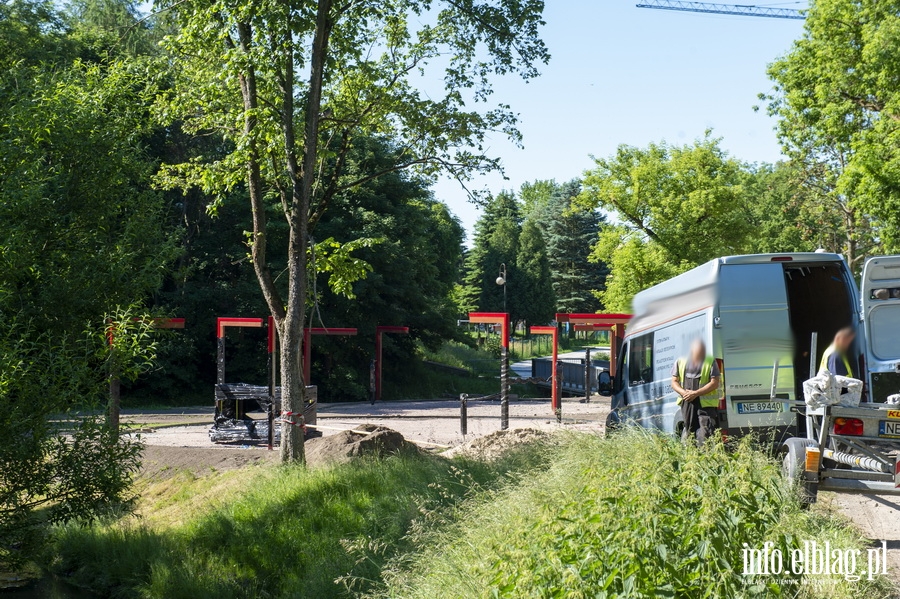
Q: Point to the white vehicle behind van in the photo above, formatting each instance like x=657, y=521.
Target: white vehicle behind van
x=767, y=319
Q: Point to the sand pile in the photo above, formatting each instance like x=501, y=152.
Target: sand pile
x=363, y=440
x=495, y=445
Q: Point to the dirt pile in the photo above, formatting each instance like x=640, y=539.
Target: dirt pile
x=495, y=445
x=363, y=440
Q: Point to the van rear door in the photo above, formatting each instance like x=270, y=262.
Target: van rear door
x=754, y=326
x=881, y=320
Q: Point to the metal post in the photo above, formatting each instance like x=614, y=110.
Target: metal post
x=559, y=383
x=273, y=381
x=220, y=360
x=115, y=397
x=504, y=388
x=372, y=386
x=377, y=365
x=463, y=414
x=307, y=356
x=813, y=350
x=587, y=375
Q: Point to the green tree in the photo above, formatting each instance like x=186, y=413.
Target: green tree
x=677, y=207
x=571, y=232
x=837, y=105
x=496, y=242
x=535, y=196
x=239, y=72
x=784, y=215
x=536, y=294
x=81, y=233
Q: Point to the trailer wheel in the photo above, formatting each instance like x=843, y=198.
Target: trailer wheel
x=793, y=467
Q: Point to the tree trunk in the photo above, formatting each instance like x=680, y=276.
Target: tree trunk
x=292, y=383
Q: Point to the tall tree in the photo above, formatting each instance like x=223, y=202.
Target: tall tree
x=677, y=207
x=536, y=293
x=496, y=243
x=571, y=232
x=81, y=234
x=535, y=196
x=239, y=69
x=837, y=101
x=784, y=213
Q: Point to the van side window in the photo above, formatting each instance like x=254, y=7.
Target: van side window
x=640, y=360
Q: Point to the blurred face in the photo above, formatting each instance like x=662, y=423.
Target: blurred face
x=698, y=352
x=844, y=340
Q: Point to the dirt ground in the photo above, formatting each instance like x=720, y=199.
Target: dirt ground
x=178, y=439
x=877, y=517
x=430, y=423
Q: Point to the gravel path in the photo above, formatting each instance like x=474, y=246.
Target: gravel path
x=429, y=422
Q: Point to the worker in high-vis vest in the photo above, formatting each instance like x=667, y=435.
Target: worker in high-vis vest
x=695, y=379
x=837, y=355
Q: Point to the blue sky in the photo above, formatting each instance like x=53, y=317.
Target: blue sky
x=621, y=74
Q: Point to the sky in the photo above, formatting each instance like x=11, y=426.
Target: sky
x=626, y=75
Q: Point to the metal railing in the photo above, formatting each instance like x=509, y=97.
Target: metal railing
x=570, y=371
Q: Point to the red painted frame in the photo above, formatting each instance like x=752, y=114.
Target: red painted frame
x=554, y=390
x=227, y=321
x=501, y=318
x=307, y=346
x=379, y=330
x=597, y=322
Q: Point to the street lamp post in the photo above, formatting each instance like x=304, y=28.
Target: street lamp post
x=504, y=358
x=501, y=280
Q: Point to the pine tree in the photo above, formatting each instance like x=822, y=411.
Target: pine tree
x=496, y=242
x=533, y=268
x=570, y=235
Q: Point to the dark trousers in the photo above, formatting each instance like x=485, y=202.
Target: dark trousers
x=699, y=422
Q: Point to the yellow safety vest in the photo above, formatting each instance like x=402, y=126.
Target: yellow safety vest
x=711, y=399
x=830, y=350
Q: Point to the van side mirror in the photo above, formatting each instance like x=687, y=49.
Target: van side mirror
x=604, y=383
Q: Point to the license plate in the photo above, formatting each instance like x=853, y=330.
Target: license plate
x=759, y=407
x=889, y=428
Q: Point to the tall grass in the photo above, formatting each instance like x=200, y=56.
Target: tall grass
x=635, y=515
x=269, y=532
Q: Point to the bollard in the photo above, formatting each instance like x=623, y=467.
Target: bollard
x=559, y=388
x=463, y=413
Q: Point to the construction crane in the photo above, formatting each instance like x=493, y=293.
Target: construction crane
x=744, y=10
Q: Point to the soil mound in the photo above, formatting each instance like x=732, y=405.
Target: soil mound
x=495, y=445
x=363, y=440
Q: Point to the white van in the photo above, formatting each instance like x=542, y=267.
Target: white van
x=757, y=315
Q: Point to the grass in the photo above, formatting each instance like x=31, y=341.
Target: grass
x=269, y=531
x=633, y=515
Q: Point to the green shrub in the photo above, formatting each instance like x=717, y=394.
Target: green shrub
x=635, y=515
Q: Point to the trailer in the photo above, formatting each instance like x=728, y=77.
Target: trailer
x=846, y=449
